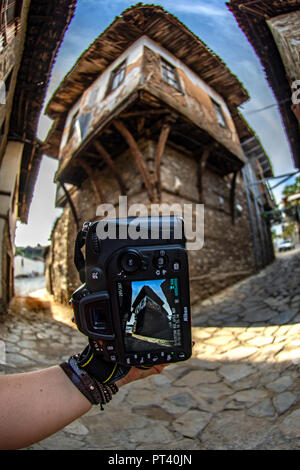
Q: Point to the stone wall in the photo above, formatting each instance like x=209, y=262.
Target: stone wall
x=6, y=266
x=61, y=275
x=227, y=254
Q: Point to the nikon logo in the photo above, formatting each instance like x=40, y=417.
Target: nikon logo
x=192, y=229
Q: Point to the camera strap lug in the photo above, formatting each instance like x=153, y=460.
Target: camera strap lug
x=78, y=256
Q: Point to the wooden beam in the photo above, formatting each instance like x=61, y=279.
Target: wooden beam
x=72, y=207
x=93, y=155
x=144, y=113
x=254, y=10
x=109, y=161
x=139, y=159
x=201, y=168
x=163, y=137
x=5, y=193
x=96, y=188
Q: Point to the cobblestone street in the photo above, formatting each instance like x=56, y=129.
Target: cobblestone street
x=241, y=389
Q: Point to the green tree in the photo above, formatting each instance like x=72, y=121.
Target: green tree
x=289, y=231
x=292, y=188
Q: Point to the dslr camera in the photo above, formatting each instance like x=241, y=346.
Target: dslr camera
x=134, y=303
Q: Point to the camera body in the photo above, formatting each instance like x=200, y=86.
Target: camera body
x=134, y=305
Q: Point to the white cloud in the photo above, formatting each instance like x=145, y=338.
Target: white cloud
x=197, y=9
x=194, y=7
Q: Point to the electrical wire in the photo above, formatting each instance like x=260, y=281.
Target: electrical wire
x=267, y=107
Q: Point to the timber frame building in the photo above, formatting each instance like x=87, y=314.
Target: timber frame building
x=30, y=35
x=150, y=112
x=272, y=28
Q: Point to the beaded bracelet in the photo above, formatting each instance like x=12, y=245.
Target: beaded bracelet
x=96, y=392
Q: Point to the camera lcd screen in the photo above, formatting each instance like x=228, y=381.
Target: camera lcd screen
x=150, y=314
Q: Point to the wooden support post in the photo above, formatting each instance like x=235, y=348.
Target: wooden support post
x=108, y=160
x=97, y=190
x=232, y=197
x=72, y=207
x=201, y=169
x=139, y=159
x=165, y=131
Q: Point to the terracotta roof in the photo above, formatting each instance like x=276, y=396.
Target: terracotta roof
x=251, y=16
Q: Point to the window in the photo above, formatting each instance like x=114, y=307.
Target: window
x=84, y=122
x=170, y=75
x=219, y=112
x=117, y=77
x=8, y=82
x=10, y=9
x=79, y=125
x=73, y=126
x=2, y=92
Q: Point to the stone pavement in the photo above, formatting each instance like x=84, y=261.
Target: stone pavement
x=240, y=390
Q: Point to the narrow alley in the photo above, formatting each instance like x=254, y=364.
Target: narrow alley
x=239, y=391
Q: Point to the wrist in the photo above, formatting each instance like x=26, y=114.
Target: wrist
x=120, y=382
x=101, y=370
x=96, y=392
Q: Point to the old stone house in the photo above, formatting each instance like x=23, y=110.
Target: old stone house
x=272, y=28
x=150, y=112
x=30, y=34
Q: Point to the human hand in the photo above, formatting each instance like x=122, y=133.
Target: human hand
x=137, y=374
x=296, y=110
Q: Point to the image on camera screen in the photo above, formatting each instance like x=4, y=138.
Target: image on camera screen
x=150, y=314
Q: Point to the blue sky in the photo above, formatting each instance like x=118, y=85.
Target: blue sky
x=215, y=25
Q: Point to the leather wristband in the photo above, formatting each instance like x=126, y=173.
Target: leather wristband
x=96, y=392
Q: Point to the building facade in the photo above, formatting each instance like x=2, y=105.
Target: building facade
x=149, y=112
x=30, y=34
x=272, y=28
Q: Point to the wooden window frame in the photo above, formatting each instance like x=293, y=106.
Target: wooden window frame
x=120, y=69
x=219, y=114
x=173, y=80
x=72, y=126
x=5, y=7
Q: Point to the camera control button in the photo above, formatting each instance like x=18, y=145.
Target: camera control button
x=176, y=266
x=141, y=360
x=96, y=274
x=181, y=355
x=154, y=358
x=113, y=357
x=160, y=261
x=169, y=357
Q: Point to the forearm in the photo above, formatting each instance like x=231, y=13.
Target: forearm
x=35, y=405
